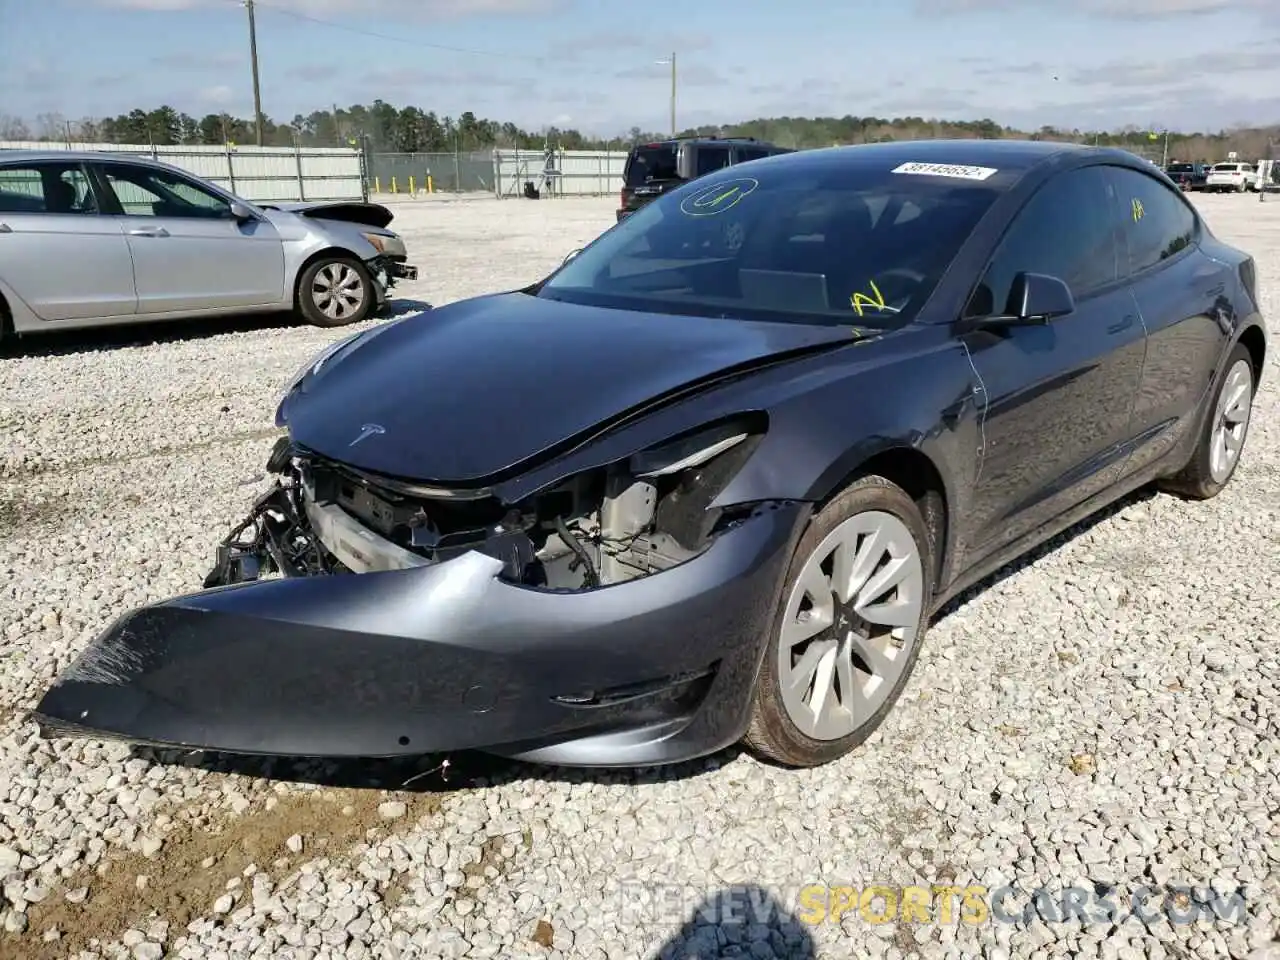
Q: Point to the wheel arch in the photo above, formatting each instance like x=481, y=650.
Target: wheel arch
x=6, y=317
x=1255, y=341
x=332, y=251
x=918, y=475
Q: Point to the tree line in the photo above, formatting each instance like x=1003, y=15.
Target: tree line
x=381, y=127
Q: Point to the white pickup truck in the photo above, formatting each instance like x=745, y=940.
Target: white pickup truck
x=1231, y=176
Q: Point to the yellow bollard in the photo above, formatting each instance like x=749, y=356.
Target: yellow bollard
x=377, y=184
x=394, y=189
x=412, y=191
x=431, y=187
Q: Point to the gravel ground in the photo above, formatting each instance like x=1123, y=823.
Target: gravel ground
x=1119, y=725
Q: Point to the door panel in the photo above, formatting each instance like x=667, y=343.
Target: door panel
x=188, y=252
x=1057, y=422
x=64, y=260
x=1058, y=396
x=1180, y=294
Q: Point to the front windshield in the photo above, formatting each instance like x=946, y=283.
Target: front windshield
x=832, y=244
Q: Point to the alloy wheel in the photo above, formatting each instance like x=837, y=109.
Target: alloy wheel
x=1231, y=421
x=338, y=291
x=850, y=625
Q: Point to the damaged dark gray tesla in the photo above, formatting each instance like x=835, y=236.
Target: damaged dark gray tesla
x=709, y=480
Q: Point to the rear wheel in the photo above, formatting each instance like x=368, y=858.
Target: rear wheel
x=854, y=611
x=335, y=291
x=1222, y=439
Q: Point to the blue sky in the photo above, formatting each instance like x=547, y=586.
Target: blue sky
x=1185, y=64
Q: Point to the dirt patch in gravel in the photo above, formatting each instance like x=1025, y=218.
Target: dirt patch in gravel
x=193, y=867
x=18, y=511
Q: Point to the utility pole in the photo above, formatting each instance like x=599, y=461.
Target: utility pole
x=253, y=56
x=671, y=61
x=673, y=93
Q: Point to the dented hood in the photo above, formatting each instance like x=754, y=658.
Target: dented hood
x=348, y=211
x=465, y=393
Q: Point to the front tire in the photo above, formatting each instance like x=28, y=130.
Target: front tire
x=1222, y=438
x=854, y=611
x=335, y=291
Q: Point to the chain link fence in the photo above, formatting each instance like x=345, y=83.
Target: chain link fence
x=460, y=172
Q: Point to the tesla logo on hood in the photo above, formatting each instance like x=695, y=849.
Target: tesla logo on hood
x=367, y=431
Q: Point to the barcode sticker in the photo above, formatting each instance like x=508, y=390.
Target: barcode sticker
x=958, y=171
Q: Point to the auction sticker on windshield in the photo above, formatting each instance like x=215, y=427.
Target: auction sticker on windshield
x=956, y=170
x=719, y=197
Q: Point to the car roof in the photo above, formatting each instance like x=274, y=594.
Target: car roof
x=36, y=156
x=1007, y=156
x=708, y=140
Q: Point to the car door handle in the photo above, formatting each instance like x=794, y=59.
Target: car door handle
x=1122, y=326
x=149, y=232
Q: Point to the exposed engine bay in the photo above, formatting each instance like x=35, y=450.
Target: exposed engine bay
x=597, y=528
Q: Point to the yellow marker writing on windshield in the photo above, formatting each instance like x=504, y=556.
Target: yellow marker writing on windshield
x=714, y=201
x=1137, y=210
x=858, y=299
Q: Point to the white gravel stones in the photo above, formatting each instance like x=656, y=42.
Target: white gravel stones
x=1109, y=714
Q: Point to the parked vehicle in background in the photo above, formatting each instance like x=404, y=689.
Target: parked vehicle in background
x=1231, y=176
x=92, y=239
x=654, y=168
x=1188, y=176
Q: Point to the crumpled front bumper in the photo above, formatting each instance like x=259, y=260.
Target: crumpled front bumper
x=441, y=658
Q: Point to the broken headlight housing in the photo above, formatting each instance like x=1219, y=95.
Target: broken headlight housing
x=690, y=471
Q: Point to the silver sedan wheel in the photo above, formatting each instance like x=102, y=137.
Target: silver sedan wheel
x=851, y=622
x=1231, y=421
x=338, y=291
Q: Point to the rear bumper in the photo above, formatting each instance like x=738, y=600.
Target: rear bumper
x=441, y=658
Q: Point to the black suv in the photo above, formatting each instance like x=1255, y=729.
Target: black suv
x=1188, y=176
x=654, y=168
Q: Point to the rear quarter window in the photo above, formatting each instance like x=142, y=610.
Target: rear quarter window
x=647, y=164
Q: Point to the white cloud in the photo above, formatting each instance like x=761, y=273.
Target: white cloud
x=220, y=94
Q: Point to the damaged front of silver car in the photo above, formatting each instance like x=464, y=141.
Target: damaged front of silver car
x=582, y=593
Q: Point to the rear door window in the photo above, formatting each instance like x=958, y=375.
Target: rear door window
x=1159, y=223
x=47, y=187
x=650, y=163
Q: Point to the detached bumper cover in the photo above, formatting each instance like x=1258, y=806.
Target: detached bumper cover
x=441, y=658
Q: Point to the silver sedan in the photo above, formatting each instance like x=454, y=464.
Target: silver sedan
x=92, y=239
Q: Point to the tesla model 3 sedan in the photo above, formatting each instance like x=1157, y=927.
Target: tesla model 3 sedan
x=90, y=239
x=709, y=479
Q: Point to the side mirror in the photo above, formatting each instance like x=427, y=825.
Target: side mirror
x=240, y=212
x=1039, y=298
x=1034, y=299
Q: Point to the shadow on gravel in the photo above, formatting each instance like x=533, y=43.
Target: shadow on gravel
x=732, y=921
x=1141, y=495
x=62, y=342
x=464, y=770
x=471, y=770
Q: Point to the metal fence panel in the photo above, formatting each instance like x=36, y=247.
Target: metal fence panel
x=461, y=172
x=562, y=173
x=259, y=174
